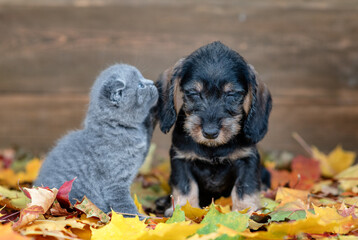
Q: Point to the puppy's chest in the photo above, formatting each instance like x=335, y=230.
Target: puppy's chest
x=214, y=177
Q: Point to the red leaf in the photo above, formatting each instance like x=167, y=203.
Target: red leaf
x=63, y=192
x=309, y=171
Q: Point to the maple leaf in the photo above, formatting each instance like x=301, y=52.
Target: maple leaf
x=194, y=214
x=178, y=216
x=13, y=199
x=138, y=205
x=286, y=195
x=337, y=161
x=173, y=231
x=348, y=179
x=53, y=227
x=8, y=234
x=63, y=194
x=233, y=220
x=91, y=210
x=10, y=178
x=300, y=177
x=120, y=228
x=41, y=201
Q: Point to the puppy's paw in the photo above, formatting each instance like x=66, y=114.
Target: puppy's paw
x=251, y=201
x=168, y=212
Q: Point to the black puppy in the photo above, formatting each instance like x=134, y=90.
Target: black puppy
x=224, y=114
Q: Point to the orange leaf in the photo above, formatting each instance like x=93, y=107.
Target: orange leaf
x=8, y=234
x=286, y=195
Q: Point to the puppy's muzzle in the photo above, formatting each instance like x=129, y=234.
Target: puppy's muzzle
x=210, y=132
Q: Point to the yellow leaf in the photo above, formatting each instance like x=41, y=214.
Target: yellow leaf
x=173, y=231
x=209, y=236
x=9, y=177
x=226, y=230
x=330, y=214
x=120, y=228
x=138, y=205
x=325, y=220
x=8, y=234
x=53, y=226
x=147, y=165
x=348, y=179
x=286, y=195
x=337, y=161
x=194, y=214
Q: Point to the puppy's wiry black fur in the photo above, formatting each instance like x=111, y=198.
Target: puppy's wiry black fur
x=224, y=114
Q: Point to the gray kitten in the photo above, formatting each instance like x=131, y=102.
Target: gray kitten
x=105, y=156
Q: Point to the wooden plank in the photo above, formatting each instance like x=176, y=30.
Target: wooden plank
x=37, y=121
x=306, y=52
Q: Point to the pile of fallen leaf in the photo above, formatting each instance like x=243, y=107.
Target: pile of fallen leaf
x=311, y=197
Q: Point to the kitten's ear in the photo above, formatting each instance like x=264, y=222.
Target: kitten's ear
x=168, y=88
x=113, y=90
x=257, y=106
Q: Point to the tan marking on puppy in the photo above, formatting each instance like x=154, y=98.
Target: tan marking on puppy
x=165, y=79
x=230, y=127
x=247, y=101
x=178, y=96
x=241, y=153
x=198, y=86
x=188, y=155
x=251, y=201
x=228, y=87
x=236, y=155
x=180, y=199
x=262, y=93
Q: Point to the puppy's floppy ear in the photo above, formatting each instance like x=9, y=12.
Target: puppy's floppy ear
x=168, y=88
x=257, y=106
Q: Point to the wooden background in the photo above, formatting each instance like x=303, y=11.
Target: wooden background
x=52, y=51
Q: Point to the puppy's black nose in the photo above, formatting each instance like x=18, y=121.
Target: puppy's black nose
x=210, y=133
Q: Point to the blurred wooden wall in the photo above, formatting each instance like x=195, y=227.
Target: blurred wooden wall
x=306, y=51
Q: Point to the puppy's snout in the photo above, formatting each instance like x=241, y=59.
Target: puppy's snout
x=210, y=132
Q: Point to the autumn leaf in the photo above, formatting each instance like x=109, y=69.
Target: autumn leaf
x=287, y=215
x=173, y=231
x=53, y=227
x=6, y=233
x=348, y=179
x=192, y=213
x=91, y=210
x=13, y=199
x=41, y=201
x=10, y=178
x=233, y=220
x=300, y=176
x=138, y=205
x=178, y=216
x=286, y=195
x=334, y=163
x=311, y=225
x=120, y=228
x=63, y=194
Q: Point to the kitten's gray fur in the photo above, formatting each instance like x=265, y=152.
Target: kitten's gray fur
x=106, y=154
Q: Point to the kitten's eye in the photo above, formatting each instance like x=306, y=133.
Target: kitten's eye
x=141, y=85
